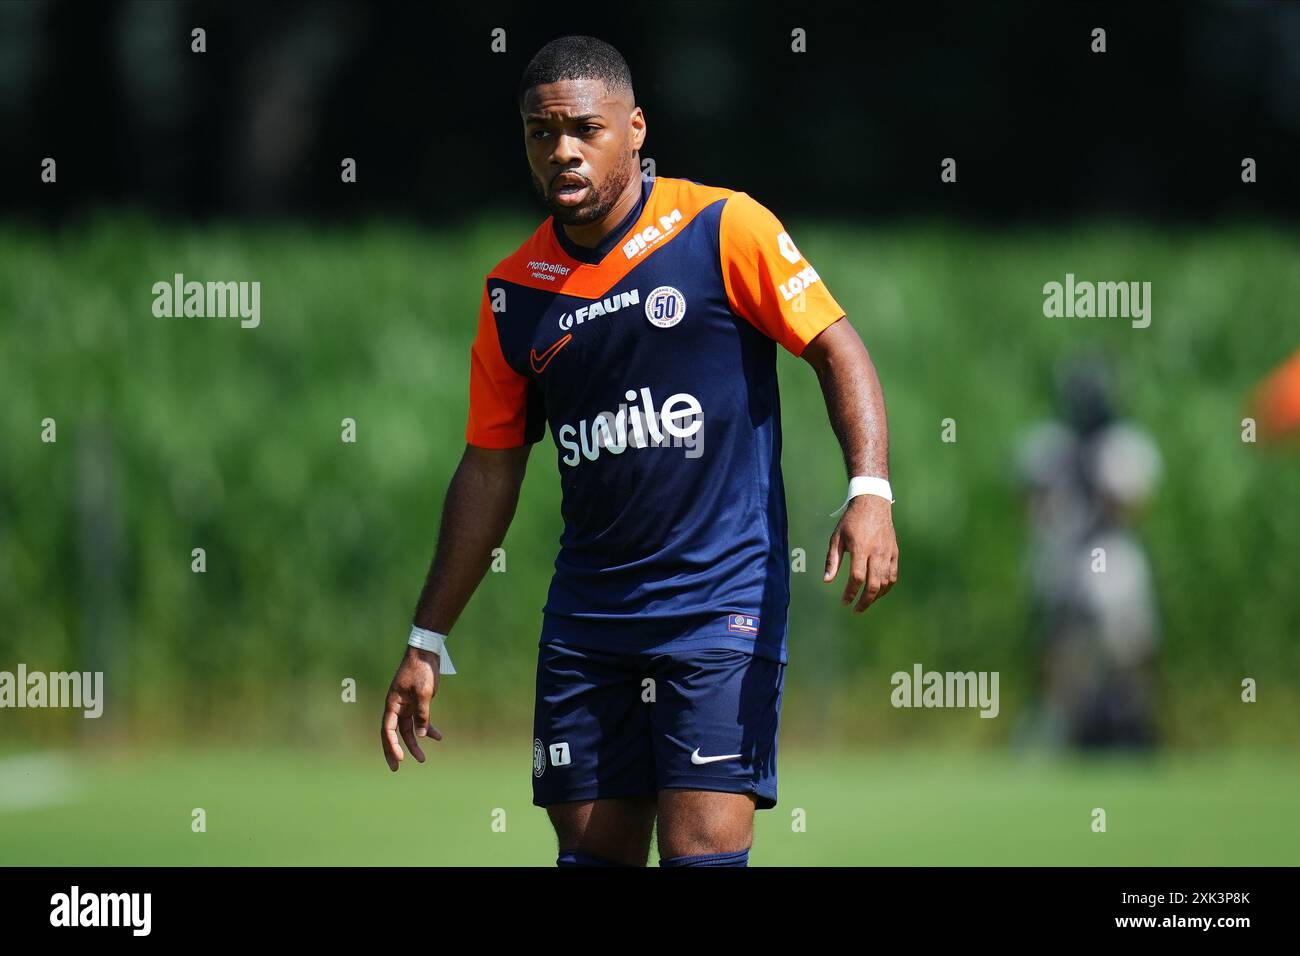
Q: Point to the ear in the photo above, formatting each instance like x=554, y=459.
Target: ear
x=637, y=119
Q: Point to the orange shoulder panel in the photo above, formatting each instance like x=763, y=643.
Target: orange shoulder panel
x=768, y=280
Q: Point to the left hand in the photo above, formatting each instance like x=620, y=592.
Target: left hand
x=407, y=706
x=866, y=531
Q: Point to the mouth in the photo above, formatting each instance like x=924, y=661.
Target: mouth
x=569, y=189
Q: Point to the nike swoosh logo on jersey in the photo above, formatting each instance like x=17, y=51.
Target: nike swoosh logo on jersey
x=539, y=362
x=698, y=760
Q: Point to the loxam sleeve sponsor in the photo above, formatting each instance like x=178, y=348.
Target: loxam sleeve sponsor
x=768, y=280
x=504, y=407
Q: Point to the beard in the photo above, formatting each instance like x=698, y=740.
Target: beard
x=600, y=199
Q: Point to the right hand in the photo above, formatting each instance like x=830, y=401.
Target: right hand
x=407, y=706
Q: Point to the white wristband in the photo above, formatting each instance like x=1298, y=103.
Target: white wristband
x=432, y=641
x=866, y=485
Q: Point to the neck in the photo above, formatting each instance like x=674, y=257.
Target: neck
x=589, y=234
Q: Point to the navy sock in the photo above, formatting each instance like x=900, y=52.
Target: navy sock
x=575, y=858
x=739, y=858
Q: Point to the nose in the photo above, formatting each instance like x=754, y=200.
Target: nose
x=566, y=150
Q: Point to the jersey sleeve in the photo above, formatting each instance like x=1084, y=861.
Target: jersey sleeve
x=504, y=406
x=768, y=280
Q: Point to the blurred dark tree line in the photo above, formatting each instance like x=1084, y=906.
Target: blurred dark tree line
x=857, y=126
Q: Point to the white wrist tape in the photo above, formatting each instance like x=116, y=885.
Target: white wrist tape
x=432, y=641
x=866, y=485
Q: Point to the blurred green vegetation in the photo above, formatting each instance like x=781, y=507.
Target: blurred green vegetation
x=181, y=433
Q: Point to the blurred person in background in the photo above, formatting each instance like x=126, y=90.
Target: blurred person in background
x=1276, y=402
x=1086, y=477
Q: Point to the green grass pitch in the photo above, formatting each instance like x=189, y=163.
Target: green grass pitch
x=300, y=807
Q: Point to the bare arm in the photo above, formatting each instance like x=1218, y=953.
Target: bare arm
x=855, y=404
x=476, y=513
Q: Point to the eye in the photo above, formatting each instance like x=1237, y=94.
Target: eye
x=537, y=133
x=591, y=126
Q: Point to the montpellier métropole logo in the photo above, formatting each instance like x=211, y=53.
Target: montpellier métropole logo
x=73, y=689
x=213, y=300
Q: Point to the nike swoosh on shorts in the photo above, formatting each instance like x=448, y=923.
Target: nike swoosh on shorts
x=697, y=759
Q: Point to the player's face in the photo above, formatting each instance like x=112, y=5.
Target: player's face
x=582, y=143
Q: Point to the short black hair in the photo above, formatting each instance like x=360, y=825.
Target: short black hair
x=577, y=58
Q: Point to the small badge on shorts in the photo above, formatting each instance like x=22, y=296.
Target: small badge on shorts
x=744, y=623
x=539, y=758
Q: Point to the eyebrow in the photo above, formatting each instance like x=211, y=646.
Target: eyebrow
x=546, y=118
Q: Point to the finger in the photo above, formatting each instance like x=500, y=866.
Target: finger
x=422, y=726
x=388, y=734
x=885, y=580
x=421, y=716
x=890, y=576
x=833, y=558
x=857, y=576
x=872, y=590
x=408, y=734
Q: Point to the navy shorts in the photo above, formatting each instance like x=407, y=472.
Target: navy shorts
x=619, y=724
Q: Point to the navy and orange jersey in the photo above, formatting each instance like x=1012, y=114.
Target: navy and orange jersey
x=652, y=358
